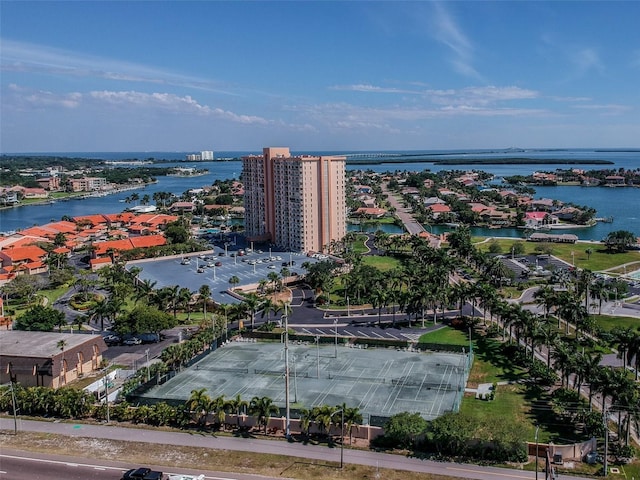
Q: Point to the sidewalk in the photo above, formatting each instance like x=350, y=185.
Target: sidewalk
x=316, y=452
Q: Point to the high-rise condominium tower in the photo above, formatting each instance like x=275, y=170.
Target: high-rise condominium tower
x=297, y=203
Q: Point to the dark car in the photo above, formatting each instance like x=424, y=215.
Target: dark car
x=148, y=337
x=142, y=473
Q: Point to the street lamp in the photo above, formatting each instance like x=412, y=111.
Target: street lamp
x=148, y=366
x=318, y=356
x=335, y=332
x=341, y=412
x=537, y=428
x=348, y=307
x=105, y=379
x=286, y=376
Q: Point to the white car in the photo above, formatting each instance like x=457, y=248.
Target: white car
x=185, y=477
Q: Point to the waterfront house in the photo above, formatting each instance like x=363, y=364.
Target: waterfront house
x=438, y=209
x=537, y=220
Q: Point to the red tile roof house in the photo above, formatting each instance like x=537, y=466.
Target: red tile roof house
x=31, y=260
x=615, y=180
x=370, y=212
x=438, y=209
x=104, y=253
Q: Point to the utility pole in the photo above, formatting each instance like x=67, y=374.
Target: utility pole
x=13, y=403
x=106, y=392
x=286, y=376
x=537, y=428
x=606, y=441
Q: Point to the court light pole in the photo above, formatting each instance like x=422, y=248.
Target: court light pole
x=318, y=356
x=341, y=412
x=148, y=366
x=335, y=331
x=286, y=377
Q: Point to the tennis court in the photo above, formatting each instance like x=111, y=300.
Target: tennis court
x=380, y=381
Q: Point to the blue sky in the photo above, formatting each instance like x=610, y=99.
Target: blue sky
x=344, y=75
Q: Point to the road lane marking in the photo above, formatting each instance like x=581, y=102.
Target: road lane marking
x=480, y=472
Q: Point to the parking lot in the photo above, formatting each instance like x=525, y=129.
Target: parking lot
x=217, y=267
x=525, y=266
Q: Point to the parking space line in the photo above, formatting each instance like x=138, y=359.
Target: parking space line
x=363, y=334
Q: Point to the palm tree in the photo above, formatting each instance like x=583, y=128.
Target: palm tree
x=252, y=302
x=323, y=416
x=305, y=421
x=199, y=403
x=237, y=406
x=233, y=281
x=145, y=290
x=217, y=407
x=379, y=299
x=262, y=408
x=205, y=292
x=62, y=344
x=184, y=301
x=352, y=418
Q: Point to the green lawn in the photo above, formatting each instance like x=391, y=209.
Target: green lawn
x=381, y=263
x=446, y=336
x=609, y=322
x=600, y=259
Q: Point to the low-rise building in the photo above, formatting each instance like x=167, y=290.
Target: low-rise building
x=48, y=359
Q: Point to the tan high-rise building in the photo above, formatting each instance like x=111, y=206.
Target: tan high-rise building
x=297, y=203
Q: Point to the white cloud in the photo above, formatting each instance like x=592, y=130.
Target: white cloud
x=471, y=95
x=608, y=109
x=587, y=59
x=27, y=57
x=447, y=31
x=129, y=101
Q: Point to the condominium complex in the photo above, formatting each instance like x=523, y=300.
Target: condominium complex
x=206, y=155
x=297, y=203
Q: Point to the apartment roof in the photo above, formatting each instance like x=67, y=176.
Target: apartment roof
x=17, y=254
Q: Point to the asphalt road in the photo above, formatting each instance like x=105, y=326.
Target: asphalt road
x=317, y=452
x=20, y=465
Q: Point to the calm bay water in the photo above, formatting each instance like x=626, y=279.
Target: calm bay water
x=623, y=204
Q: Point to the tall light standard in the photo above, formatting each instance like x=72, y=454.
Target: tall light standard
x=318, y=356
x=341, y=412
x=148, y=366
x=348, y=307
x=537, y=428
x=105, y=379
x=286, y=376
x=335, y=332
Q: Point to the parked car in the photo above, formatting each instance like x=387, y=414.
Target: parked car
x=148, y=337
x=112, y=339
x=132, y=341
x=142, y=473
x=218, y=264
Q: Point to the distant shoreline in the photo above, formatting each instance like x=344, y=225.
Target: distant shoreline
x=475, y=161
